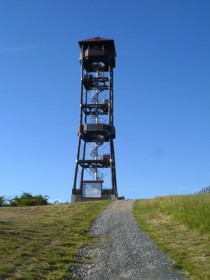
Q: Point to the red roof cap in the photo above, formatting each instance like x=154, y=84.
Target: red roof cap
x=97, y=39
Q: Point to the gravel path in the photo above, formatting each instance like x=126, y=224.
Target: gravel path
x=124, y=251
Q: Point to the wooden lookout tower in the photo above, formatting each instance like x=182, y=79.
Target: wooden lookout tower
x=95, y=172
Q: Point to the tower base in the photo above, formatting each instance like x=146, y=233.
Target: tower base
x=106, y=195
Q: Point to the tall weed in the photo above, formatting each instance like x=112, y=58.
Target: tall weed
x=192, y=210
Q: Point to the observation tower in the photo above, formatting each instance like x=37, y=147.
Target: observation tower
x=95, y=171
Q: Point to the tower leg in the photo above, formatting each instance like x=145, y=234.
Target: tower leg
x=113, y=170
x=76, y=168
x=83, y=157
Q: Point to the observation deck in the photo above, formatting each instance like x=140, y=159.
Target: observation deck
x=96, y=132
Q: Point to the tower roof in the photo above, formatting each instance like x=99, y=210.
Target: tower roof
x=98, y=38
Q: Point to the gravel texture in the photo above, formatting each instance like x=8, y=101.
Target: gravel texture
x=124, y=252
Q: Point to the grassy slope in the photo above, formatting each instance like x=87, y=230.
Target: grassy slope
x=181, y=227
x=42, y=242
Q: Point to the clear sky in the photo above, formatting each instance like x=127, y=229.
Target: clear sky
x=161, y=93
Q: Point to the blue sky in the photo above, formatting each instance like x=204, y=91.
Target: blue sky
x=161, y=93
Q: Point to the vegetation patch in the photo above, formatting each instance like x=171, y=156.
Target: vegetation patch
x=42, y=242
x=180, y=225
x=26, y=199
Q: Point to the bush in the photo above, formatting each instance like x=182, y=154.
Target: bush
x=27, y=199
x=3, y=201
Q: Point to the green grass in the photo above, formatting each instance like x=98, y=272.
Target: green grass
x=180, y=225
x=193, y=211
x=42, y=242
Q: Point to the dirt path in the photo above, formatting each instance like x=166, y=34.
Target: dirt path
x=124, y=251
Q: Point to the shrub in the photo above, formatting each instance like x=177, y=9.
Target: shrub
x=3, y=201
x=27, y=199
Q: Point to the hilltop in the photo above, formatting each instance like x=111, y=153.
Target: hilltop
x=44, y=241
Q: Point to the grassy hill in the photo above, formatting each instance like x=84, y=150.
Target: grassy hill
x=42, y=242
x=180, y=225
